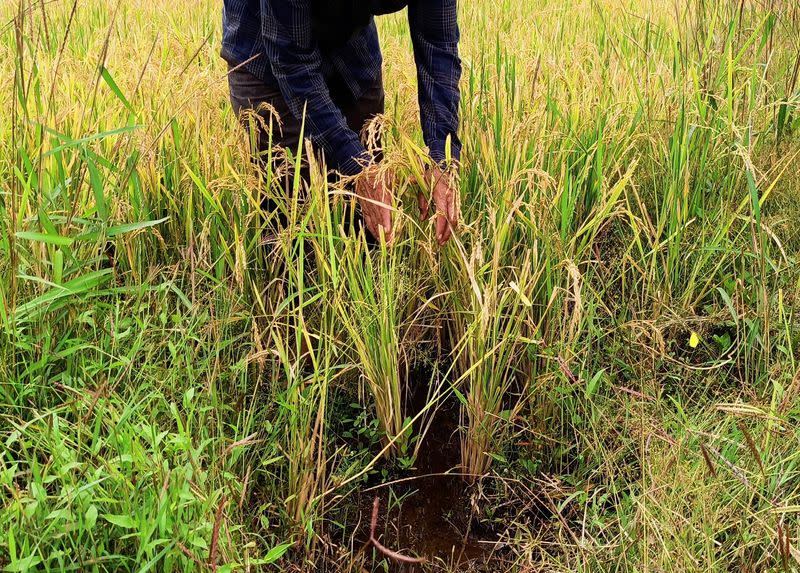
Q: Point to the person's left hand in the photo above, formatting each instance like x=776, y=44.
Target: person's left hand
x=444, y=198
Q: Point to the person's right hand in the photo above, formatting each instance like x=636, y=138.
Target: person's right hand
x=376, y=201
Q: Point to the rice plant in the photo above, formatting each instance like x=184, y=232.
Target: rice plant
x=372, y=287
x=610, y=339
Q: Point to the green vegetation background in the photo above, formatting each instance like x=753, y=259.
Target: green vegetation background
x=617, y=321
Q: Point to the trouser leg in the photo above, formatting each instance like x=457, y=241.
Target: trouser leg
x=253, y=101
x=358, y=113
x=249, y=95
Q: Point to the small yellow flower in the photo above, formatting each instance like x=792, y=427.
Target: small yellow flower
x=694, y=340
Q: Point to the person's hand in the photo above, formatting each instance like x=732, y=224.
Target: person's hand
x=375, y=199
x=444, y=199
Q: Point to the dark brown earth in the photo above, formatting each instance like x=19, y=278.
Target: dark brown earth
x=434, y=519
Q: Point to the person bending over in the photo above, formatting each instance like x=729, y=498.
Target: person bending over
x=323, y=58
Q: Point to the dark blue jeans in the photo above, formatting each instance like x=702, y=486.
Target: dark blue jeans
x=247, y=93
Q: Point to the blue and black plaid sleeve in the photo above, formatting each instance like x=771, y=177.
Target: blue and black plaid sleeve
x=435, y=36
x=296, y=62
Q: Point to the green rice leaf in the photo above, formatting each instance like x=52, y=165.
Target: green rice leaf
x=45, y=238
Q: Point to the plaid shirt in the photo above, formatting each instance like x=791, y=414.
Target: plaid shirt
x=291, y=48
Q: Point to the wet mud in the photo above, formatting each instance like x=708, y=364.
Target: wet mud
x=429, y=512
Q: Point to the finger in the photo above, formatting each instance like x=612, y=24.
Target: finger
x=452, y=215
x=388, y=235
x=424, y=206
x=441, y=227
x=447, y=233
x=374, y=224
x=442, y=214
x=373, y=229
x=389, y=226
x=384, y=214
x=382, y=223
x=385, y=230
